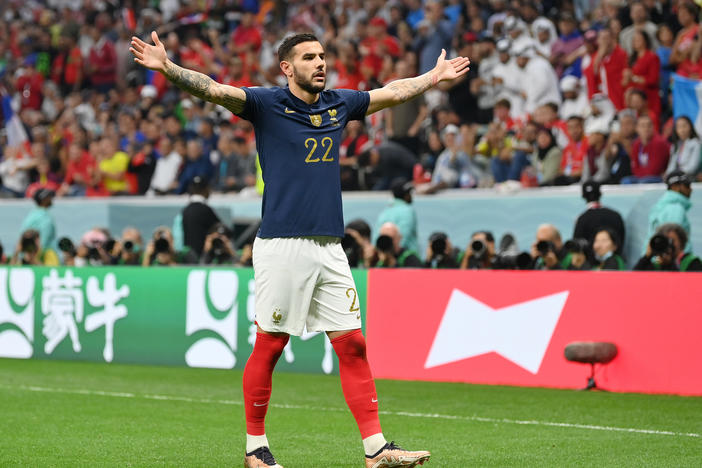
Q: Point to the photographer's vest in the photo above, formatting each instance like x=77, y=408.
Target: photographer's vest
x=401, y=259
x=686, y=261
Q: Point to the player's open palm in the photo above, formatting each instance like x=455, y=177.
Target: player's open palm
x=450, y=69
x=150, y=56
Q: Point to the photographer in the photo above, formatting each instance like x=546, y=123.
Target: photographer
x=440, y=252
x=547, y=250
x=357, y=244
x=389, y=254
x=480, y=252
x=129, y=248
x=68, y=251
x=666, y=251
x=218, y=247
x=577, y=252
x=198, y=218
x=159, y=251
x=29, y=251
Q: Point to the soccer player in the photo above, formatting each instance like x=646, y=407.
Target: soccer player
x=302, y=275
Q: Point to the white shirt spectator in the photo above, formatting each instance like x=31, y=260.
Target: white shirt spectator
x=166, y=172
x=575, y=100
x=537, y=80
x=685, y=156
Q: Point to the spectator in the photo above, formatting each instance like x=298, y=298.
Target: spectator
x=29, y=84
x=357, y=244
x=434, y=33
x=505, y=79
x=607, y=161
x=644, y=73
x=113, y=166
x=624, y=130
x=14, y=171
x=575, y=100
x=649, y=154
x=668, y=250
x=673, y=206
x=389, y=252
x=685, y=150
x=596, y=217
x=545, y=34
x=462, y=95
x=481, y=86
x=546, y=157
x=640, y=23
x=143, y=165
x=454, y=168
x=539, y=82
x=67, y=67
x=354, y=143
x=574, y=153
x=165, y=177
x=665, y=38
x=40, y=220
x=568, y=42
x=236, y=168
x=198, y=217
x=440, y=252
x=685, y=39
x=29, y=251
x=130, y=247
x=402, y=214
x=102, y=60
x=404, y=122
x=605, y=72
x=605, y=246
x=197, y=164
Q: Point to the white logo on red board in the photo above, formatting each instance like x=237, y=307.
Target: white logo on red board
x=520, y=333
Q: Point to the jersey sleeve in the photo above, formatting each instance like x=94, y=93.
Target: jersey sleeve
x=255, y=102
x=357, y=102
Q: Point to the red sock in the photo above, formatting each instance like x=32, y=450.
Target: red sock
x=357, y=381
x=258, y=378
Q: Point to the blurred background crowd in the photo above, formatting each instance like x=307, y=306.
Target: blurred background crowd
x=559, y=93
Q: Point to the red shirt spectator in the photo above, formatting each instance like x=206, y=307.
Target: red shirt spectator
x=29, y=85
x=645, y=72
x=650, y=152
x=67, y=68
x=247, y=34
x=102, y=64
x=607, y=69
x=575, y=153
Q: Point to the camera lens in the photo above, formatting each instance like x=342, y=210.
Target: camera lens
x=438, y=246
x=161, y=245
x=544, y=247
x=65, y=244
x=660, y=244
x=384, y=243
x=128, y=246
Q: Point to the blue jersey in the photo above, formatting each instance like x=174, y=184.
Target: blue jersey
x=298, y=147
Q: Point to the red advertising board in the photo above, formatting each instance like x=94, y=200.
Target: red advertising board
x=511, y=327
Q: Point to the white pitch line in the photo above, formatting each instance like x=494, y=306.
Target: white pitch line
x=592, y=427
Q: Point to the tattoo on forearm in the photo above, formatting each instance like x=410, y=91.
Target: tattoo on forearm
x=410, y=87
x=202, y=86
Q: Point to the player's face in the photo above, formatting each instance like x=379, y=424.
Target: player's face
x=309, y=67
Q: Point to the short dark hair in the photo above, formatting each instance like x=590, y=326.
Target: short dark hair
x=290, y=42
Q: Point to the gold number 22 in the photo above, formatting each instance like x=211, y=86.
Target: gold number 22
x=354, y=307
x=311, y=144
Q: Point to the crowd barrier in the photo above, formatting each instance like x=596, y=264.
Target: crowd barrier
x=488, y=327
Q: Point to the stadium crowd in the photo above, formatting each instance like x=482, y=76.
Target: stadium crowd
x=559, y=93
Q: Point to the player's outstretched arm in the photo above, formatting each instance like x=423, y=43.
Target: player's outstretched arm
x=200, y=85
x=403, y=90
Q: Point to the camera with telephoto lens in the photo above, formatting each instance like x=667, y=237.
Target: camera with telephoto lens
x=351, y=249
x=544, y=247
x=384, y=244
x=438, y=244
x=161, y=244
x=577, y=246
x=66, y=245
x=128, y=246
x=661, y=245
x=28, y=244
x=479, y=249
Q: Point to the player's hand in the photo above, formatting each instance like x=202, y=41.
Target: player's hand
x=151, y=56
x=450, y=69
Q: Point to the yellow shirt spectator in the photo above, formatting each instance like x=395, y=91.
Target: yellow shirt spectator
x=114, y=170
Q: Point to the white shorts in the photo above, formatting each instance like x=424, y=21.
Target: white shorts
x=304, y=281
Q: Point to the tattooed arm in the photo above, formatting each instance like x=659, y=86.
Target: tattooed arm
x=199, y=85
x=399, y=91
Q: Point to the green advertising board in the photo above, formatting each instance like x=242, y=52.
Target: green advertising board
x=197, y=317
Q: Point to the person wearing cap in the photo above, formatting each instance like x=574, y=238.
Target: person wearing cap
x=379, y=42
x=568, y=42
x=673, y=206
x=685, y=150
x=40, y=219
x=596, y=217
x=402, y=214
x=606, y=161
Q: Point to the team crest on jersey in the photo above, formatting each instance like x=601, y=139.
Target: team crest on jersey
x=316, y=120
x=332, y=114
x=277, y=315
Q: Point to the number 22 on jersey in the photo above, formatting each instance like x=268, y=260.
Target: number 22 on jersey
x=311, y=144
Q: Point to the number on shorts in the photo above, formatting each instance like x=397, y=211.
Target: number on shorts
x=354, y=307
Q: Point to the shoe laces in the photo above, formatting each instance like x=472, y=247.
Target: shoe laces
x=393, y=446
x=264, y=454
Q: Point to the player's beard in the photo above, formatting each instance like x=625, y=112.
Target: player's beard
x=308, y=85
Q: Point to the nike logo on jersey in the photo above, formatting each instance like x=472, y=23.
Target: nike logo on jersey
x=260, y=404
x=288, y=111
x=374, y=400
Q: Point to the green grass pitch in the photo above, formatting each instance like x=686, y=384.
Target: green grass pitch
x=72, y=414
